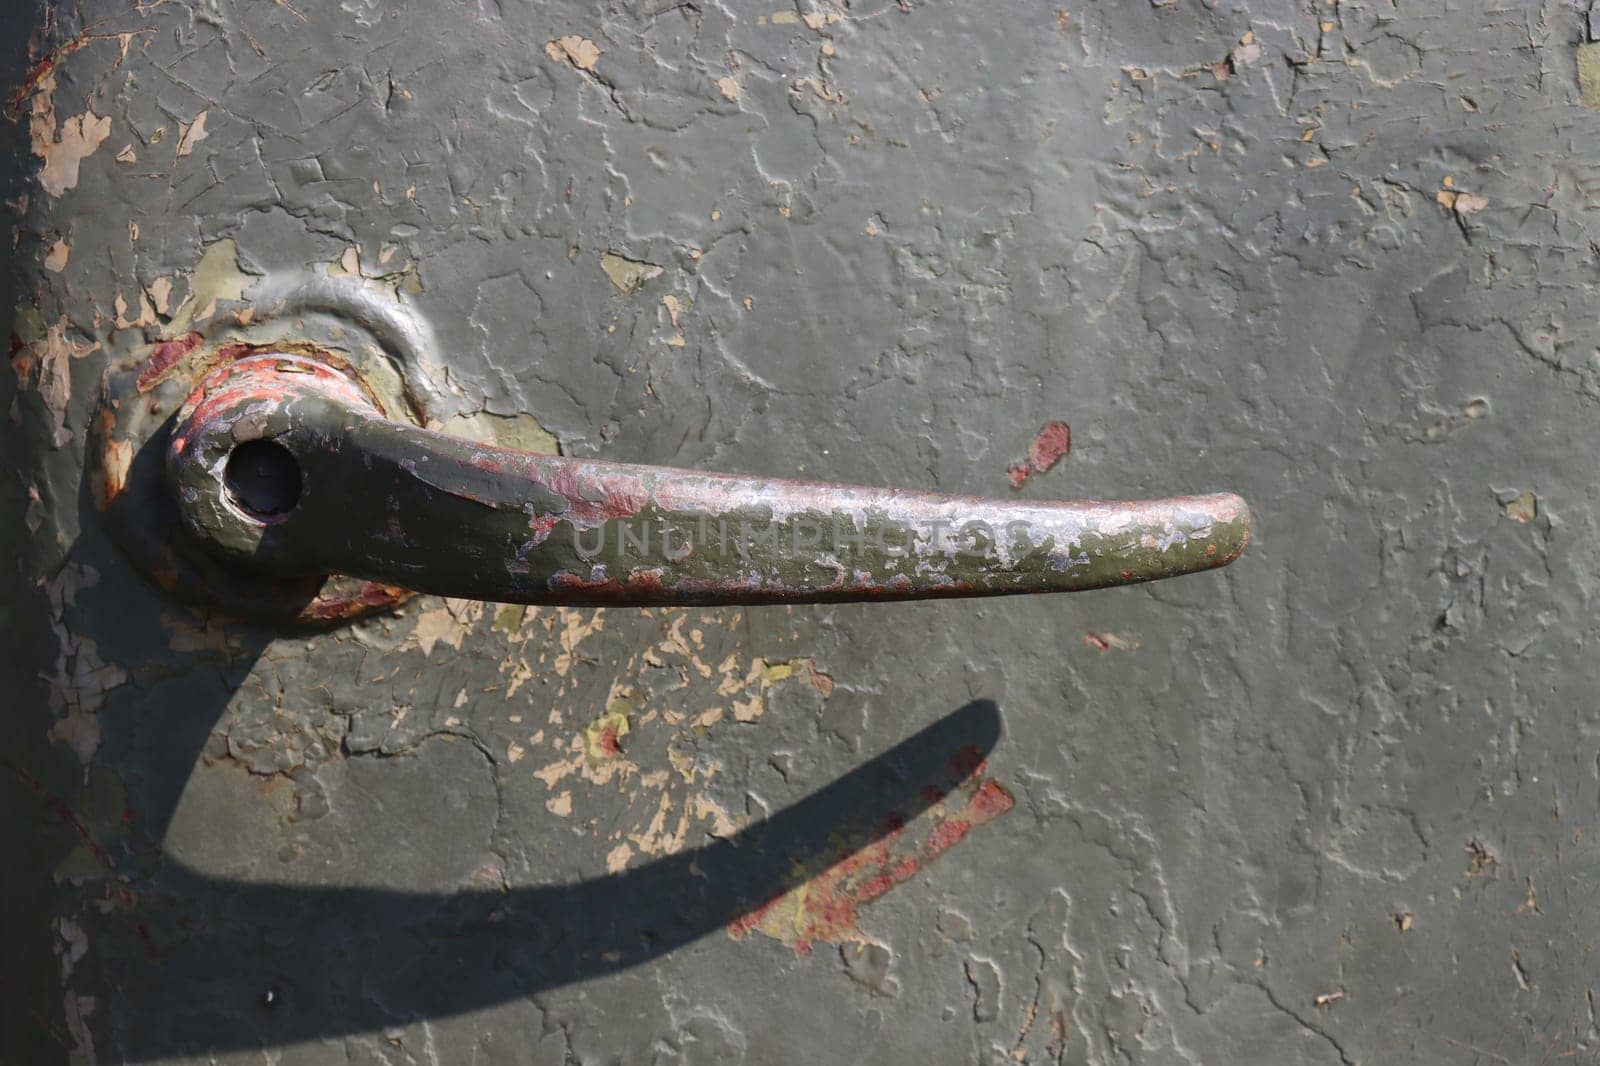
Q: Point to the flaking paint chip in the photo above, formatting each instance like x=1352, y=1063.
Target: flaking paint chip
x=1462, y=203
x=729, y=87
x=579, y=51
x=161, y=294
x=191, y=134
x=628, y=274
x=55, y=260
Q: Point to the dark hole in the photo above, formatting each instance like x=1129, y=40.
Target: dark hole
x=262, y=478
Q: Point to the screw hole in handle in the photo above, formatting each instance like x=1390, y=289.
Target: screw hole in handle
x=262, y=478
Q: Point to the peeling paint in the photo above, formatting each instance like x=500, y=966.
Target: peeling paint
x=45, y=366
x=63, y=150
x=81, y=676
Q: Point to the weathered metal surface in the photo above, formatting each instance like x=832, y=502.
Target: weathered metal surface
x=374, y=498
x=1333, y=804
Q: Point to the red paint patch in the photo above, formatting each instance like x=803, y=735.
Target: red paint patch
x=946, y=835
x=746, y=923
x=163, y=357
x=990, y=802
x=826, y=905
x=371, y=596
x=1097, y=642
x=1052, y=442
x=1050, y=445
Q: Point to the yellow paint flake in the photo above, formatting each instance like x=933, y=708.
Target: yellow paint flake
x=628, y=274
x=1589, y=75
x=215, y=277
x=602, y=738
x=523, y=432
x=777, y=671
x=1523, y=508
x=785, y=18
x=579, y=51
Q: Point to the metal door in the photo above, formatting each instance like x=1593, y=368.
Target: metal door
x=1333, y=804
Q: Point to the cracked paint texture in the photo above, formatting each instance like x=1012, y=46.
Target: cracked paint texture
x=1333, y=805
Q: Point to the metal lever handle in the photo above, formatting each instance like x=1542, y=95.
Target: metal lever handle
x=284, y=464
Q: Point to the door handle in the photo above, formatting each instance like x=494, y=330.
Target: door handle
x=282, y=465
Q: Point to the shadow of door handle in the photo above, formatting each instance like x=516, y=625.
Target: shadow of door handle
x=283, y=465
